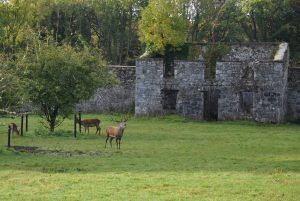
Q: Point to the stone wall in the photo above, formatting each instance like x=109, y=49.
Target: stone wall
x=249, y=84
x=293, y=110
x=117, y=98
x=266, y=82
x=188, y=75
x=251, y=52
x=149, y=81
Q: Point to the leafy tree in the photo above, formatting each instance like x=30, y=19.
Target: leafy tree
x=275, y=20
x=16, y=18
x=266, y=19
x=11, y=87
x=163, y=25
x=213, y=21
x=60, y=76
x=115, y=27
x=67, y=22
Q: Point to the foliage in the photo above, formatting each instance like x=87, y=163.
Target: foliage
x=11, y=87
x=212, y=21
x=16, y=18
x=265, y=20
x=115, y=28
x=211, y=55
x=165, y=158
x=113, y=25
x=162, y=25
x=58, y=77
x=275, y=20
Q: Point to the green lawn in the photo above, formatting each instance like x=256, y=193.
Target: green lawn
x=167, y=158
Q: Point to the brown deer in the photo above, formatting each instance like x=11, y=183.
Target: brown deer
x=87, y=123
x=14, y=128
x=116, y=132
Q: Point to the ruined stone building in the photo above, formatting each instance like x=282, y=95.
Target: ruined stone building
x=252, y=81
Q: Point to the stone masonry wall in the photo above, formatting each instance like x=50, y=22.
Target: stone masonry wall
x=251, y=52
x=117, y=98
x=293, y=110
x=247, y=75
x=149, y=81
x=188, y=75
x=264, y=79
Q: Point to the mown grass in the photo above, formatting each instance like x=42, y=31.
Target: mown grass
x=163, y=158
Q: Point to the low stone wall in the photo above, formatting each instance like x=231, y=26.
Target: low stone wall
x=117, y=98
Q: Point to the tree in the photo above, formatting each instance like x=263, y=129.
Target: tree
x=269, y=21
x=11, y=87
x=163, y=25
x=60, y=76
x=16, y=17
x=115, y=27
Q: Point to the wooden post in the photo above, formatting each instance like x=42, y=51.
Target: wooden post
x=75, y=125
x=79, y=117
x=8, y=135
x=26, y=122
x=22, y=124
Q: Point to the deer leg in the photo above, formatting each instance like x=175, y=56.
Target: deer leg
x=106, y=141
x=110, y=141
x=117, y=143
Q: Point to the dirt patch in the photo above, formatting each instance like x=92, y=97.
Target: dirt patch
x=56, y=152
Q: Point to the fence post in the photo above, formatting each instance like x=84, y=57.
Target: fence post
x=26, y=122
x=75, y=125
x=22, y=124
x=8, y=136
x=79, y=114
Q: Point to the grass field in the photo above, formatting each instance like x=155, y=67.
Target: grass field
x=166, y=158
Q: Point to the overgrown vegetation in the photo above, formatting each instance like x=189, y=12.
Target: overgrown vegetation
x=211, y=54
x=165, y=158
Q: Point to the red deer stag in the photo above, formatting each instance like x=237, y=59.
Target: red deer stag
x=14, y=128
x=87, y=123
x=116, y=132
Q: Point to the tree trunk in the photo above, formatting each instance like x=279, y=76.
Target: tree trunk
x=52, y=125
x=50, y=114
x=53, y=115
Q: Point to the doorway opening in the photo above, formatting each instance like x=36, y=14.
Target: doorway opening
x=211, y=105
x=169, y=99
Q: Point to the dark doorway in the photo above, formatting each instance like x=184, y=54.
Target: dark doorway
x=169, y=99
x=211, y=105
x=246, y=101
